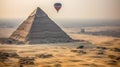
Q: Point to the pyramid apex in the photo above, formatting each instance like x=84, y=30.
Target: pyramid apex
x=38, y=7
x=38, y=12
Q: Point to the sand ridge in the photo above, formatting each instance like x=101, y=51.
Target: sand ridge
x=63, y=55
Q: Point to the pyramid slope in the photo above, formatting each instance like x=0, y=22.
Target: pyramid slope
x=39, y=28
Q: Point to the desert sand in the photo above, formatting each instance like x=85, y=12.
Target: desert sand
x=95, y=51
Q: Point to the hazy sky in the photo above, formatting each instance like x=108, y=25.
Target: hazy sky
x=72, y=9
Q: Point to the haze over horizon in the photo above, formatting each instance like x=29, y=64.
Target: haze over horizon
x=71, y=9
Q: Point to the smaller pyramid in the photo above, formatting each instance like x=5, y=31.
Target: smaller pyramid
x=39, y=28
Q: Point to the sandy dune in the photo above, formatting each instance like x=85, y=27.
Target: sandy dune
x=63, y=55
x=98, y=51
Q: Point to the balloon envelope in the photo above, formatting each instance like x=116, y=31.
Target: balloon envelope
x=57, y=6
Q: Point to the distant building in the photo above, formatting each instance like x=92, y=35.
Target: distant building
x=82, y=30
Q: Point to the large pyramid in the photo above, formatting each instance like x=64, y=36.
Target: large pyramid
x=39, y=28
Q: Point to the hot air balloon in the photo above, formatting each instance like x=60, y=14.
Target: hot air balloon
x=57, y=6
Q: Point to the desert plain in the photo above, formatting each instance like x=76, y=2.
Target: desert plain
x=90, y=51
